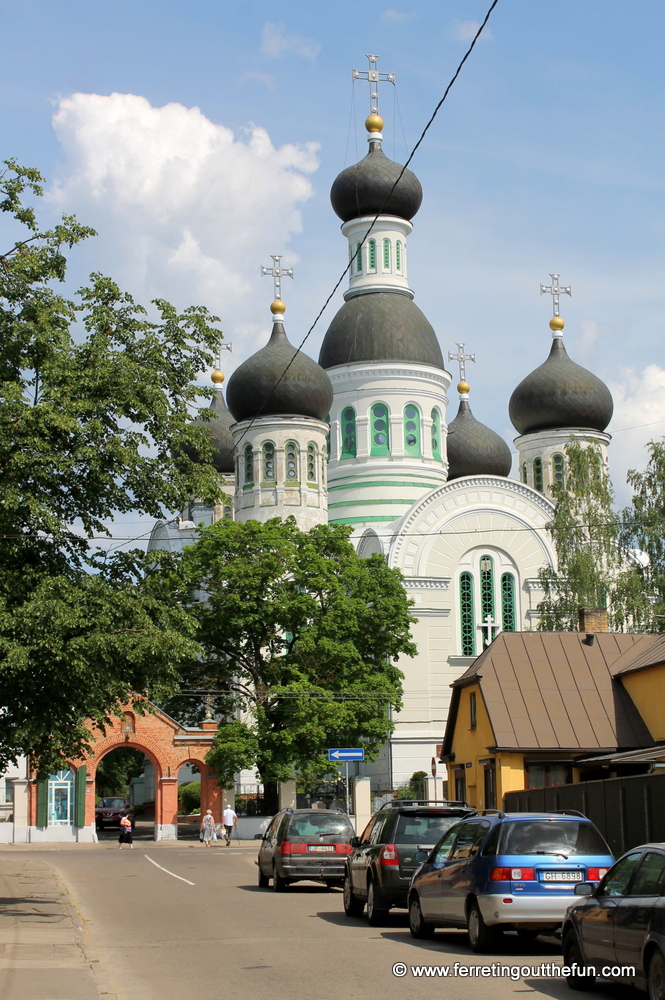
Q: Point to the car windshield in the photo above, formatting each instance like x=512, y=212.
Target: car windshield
x=335, y=827
x=112, y=803
x=423, y=828
x=563, y=837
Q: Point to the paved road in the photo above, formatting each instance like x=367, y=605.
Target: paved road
x=213, y=933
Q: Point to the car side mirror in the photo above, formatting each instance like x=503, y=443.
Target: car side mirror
x=355, y=841
x=584, y=889
x=421, y=856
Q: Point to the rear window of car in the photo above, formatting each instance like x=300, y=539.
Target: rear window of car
x=551, y=837
x=333, y=826
x=112, y=803
x=423, y=828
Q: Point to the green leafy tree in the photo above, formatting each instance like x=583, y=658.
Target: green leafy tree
x=299, y=637
x=116, y=770
x=644, y=530
x=95, y=398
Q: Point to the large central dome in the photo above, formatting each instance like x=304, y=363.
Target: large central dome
x=363, y=188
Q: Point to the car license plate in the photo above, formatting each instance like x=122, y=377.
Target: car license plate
x=321, y=848
x=562, y=877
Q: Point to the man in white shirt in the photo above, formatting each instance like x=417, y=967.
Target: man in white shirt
x=229, y=819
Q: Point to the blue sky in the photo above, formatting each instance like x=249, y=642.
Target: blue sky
x=547, y=157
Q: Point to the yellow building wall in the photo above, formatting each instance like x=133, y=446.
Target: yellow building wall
x=509, y=774
x=647, y=690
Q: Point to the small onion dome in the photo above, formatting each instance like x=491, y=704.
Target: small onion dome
x=305, y=390
x=380, y=326
x=362, y=189
x=218, y=429
x=473, y=448
x=560, y=394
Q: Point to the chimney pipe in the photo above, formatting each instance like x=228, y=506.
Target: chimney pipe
x=593, y=620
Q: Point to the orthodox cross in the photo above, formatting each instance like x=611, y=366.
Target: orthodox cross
x=277, y=273
x=462, y=358
x=487, y=627
x=555, y=290
x=223, y=347
x=374, y=77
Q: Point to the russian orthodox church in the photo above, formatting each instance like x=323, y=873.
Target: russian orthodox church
x=362, y=438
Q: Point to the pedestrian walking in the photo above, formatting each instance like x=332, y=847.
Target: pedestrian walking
x=229, y=819
x=125, y=831
x=208, y=832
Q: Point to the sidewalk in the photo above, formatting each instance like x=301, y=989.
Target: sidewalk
x=44, y=954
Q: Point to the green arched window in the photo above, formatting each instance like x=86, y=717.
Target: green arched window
x=487, y=595
x=228, y=512
x=412, y=430
x=311, y=463
x=249, y=464
x=380, y=429
x=508, y=615
x=371, y=255
x=398, y=256
x=349, y=446
x=291, y=462
x=538, y=481
x=525, y=478
x=436, y=435
x=468, y=631
x=269, y=461
x=558, y=469
x=328, y=438
x=359, y=258
x=386, y=255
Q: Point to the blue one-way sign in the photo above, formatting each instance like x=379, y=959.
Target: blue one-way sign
x=356, y=754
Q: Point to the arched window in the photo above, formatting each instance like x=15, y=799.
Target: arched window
x=269, y=461
x=386, y=255
x=398, y=256
x=249, y=464
x=487, y=595
x=558, y=469
x=436, y=435
x=61, y=798
x=525, y=478
x=311, y=463
x=359, y=258
x=412, y=430
x=508, y=602
x=371, y=255
x=328, y=438
x=466, y=615
x=127, y=725
x=349, y=446
x=380, y=429
x=291, y=462
x=538, y=474
x=228, y=512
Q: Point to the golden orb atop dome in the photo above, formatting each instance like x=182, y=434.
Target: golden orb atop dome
x=463, y=387
x=556, y=324
x=217, y=377
x=374, y=123
x=277, y=308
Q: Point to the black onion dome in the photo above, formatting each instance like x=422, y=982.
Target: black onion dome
x=560, y=394
x=380, y=326
x=362, y=189
x=218, y=429
x=304, y=391
x=474, y=449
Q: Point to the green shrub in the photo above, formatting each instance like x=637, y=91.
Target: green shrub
x=189, y=797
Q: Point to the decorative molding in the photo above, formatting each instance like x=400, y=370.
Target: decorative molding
x=347, y=373
x=426, y=582
x=429, y=612
x=532, y=583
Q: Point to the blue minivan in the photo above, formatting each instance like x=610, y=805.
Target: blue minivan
x=506, y=871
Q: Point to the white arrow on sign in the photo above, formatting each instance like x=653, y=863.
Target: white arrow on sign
x=346, y=754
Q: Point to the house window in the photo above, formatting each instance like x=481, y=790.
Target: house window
x=249, y=464
x=466, y=615
x=380, y=429
x=436, y=435
x=61, y=799
x=228, y=512
x=291, y=459
x=348, y=432
x=398, y=256
x=359, y=258
x=460, y=786
x=508, y=602
x=311, y=463
x=386, y=255
x=269, y=461
x=558, y=469
x=545, y=775
x=473, y=711
x=412, y=430
x=371, y=254
x=538, y=474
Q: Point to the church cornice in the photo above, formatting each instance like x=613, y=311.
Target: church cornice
x=380, y=369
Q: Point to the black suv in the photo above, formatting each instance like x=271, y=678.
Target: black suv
x=383, y=860
x=305, y=844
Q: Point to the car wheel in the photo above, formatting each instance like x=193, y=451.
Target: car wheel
x=417, y=924
x=264, y=881
x=573, y=957
x=657, y=976
x=279, y=884
x=353, y=907
x=481, y=937
x=377, y=911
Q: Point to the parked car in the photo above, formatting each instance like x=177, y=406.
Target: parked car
x=621, y=922
x=109, y=811
x=305, y=844
x=498, y=871
x=383, y=860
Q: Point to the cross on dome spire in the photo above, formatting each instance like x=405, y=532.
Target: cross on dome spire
x=374, y=77
x=555, y=290
x=277, y=272
x=462, y=358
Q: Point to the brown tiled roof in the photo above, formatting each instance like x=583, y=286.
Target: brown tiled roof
x=551, y=691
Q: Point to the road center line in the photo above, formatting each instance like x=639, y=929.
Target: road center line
x=168, y=872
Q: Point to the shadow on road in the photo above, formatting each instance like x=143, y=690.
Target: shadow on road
x=510, y=947
x=558, y=989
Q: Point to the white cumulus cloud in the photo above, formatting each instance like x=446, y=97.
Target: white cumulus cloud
x=466, y=30
x=639, y=417
x=185, y=209
x=277, y=42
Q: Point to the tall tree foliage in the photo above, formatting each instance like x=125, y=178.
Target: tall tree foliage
x=644, y=529
x=94, y=419
x=299, y=637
